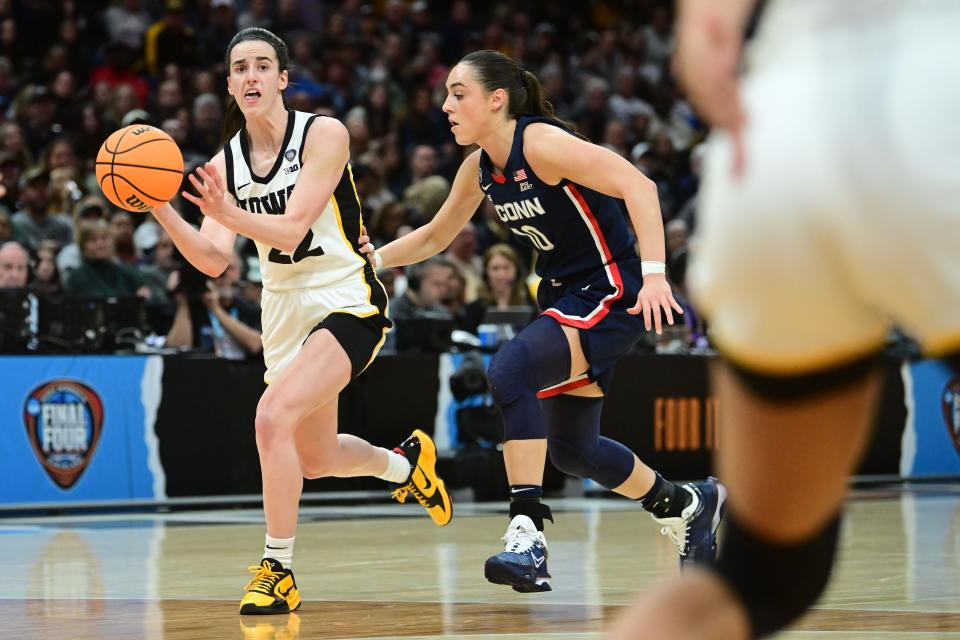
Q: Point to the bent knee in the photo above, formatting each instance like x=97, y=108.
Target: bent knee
x=507, y=372
x=571, y=460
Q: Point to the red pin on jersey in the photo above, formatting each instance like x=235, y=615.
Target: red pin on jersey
x=139, y=167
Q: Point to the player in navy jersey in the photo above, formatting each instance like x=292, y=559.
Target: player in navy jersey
x=557, y=193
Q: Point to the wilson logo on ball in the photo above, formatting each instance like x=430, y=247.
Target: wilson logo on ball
x=137, y=203
x=64, y=419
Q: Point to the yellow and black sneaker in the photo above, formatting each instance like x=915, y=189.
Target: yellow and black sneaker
x=273, y=589
x=423, y=482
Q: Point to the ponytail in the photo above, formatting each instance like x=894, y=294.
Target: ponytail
x=233, y=119
x=535, y=103
x=525, y=96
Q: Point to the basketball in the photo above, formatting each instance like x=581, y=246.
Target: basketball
x=139, y=167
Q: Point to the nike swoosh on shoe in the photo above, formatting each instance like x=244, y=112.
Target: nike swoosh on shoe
x=427, y=484
x=436, y=500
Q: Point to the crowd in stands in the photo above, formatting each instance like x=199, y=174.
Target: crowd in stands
x=72, y=72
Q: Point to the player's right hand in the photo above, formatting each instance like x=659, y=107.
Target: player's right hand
x=367, y=248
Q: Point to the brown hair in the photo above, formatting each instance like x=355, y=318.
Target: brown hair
x=87, y=228
x=525, y=96
x=518, y=293
x=234, y=120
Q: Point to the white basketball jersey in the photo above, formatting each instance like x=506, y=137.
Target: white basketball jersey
x=328, y=255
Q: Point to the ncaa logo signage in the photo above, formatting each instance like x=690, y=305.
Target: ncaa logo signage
x=290, y=154
x=951, y=411
x=64, y=420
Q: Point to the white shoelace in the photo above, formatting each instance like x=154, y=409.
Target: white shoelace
x=678, y=534
x=520, y=539
x=676, y=528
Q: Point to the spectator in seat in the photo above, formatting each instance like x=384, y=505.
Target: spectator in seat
x=35, y=222
x=90, y=208
x=503, y=286
x=428, y=284
x=121, y=228
x=170, y=40
x=427, y=189
x=99, y=275
x=46, y=281
x=14, y=260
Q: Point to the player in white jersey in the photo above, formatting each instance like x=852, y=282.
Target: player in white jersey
x=324, y=311
x=322, y=264
x=829, y=211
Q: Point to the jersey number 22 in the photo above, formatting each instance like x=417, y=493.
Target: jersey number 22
x=302, y=251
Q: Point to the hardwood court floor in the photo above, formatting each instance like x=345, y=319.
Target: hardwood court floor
x=388, y=573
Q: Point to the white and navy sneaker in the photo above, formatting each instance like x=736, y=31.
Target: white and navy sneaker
x=523, y=562
x=695, y=531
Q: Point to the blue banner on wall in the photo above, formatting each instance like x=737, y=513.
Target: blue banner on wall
x=79, y=429
x=931, y=439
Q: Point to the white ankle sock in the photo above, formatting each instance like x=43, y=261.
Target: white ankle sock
x=280, y=549
x=398, y=468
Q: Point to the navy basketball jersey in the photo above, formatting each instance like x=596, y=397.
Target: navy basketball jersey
x=576, y=231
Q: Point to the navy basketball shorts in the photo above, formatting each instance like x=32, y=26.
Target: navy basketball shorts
x=597, y=305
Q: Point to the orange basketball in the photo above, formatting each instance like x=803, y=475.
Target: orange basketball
x=139, y=167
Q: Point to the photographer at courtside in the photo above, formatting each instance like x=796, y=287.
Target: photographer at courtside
x=211, y=315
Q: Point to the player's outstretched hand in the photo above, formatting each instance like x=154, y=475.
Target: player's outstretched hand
x=654, y=296
x=367, y=248
x=209, y=184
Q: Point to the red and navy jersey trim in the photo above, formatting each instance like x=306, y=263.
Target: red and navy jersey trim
x=610, y=267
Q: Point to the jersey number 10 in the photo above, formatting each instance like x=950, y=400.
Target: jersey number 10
x=535, y=236
x=302, y=251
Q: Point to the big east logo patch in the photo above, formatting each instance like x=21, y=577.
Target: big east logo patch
x=63, y=419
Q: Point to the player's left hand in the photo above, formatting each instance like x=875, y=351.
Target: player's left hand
x=208, y=183
x=654, y=296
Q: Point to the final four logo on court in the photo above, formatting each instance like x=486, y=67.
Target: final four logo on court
x=951, y=410
x=63, y=419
